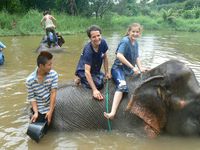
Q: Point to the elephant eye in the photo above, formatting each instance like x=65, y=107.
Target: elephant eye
x=161, y=93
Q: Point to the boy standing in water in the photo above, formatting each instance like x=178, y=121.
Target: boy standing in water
x=48, y=21
x=127, y=57
x=2, y=59
x=2, y=46
x=42, y=87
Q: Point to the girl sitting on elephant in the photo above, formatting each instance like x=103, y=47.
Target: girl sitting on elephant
x=127, y=56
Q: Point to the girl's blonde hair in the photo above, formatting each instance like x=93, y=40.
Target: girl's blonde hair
x=134, y=25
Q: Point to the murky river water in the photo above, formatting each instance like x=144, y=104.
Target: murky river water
x=21, y=61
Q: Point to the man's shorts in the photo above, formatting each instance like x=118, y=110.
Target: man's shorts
x=98, y=79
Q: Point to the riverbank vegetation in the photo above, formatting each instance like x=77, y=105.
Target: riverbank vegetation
x=22, y=17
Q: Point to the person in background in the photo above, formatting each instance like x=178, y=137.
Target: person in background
x=61, y=40
x=42, y=87
x=2, y=58
x=2, y=46
x=127, y=58
x=48, y=22
x=94, y=54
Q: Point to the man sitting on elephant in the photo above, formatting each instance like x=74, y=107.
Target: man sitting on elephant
x=88, y=70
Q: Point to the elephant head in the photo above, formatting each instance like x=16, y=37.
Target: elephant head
x=168, y=100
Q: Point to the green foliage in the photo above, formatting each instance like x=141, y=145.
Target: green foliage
x=145, y=10
x=72, y=24
x=144, y=7
x=30, y=23
x=173, y=16
x=189, y=25
x=12, y=6
x=190, y=4
x=148, y=22
x=197, y=13
x=126, y=8
x=155, y=14
x=169, y=16
x=168, y=1
x=99, y=7
x=193, y=25
x=189, y=14
x=174, y=6
x=15, y=6
x=40, y=5
x=124, y=21
x=7, y=21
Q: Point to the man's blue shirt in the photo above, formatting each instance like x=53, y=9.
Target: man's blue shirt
x=92, y=58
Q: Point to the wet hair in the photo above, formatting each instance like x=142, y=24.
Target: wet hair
x=93, y=28
x=134, y=25
x=46, y=12
x=58, y=33
x=43, y=58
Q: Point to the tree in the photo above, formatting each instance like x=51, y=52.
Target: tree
x=72, y=8
x=126, y=7
x=190, y=4
x=169, y=16
x=144, y=7
x=100, y=7
x=83, y=7
x=12, y=6
x=38, y=4
x=159, y=2
x=60, y=5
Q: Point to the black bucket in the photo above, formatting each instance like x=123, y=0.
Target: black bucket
x=36, y=130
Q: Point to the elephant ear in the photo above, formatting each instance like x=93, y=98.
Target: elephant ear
x=152, y=81
x=147, y=103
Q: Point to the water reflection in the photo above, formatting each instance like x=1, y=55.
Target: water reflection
x=156, y=48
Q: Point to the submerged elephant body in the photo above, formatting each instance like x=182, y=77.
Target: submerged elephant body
x=43, y=46
x=162, y=99
x=77, y=110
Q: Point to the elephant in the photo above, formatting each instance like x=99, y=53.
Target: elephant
x=44, y=46
x=162, y=100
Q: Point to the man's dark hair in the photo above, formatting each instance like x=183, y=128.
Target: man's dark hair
x=43, y=58
x=93, y=28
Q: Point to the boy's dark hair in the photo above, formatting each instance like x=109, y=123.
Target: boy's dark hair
x=46, y=12
x=43, y=57
x=93, y=28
